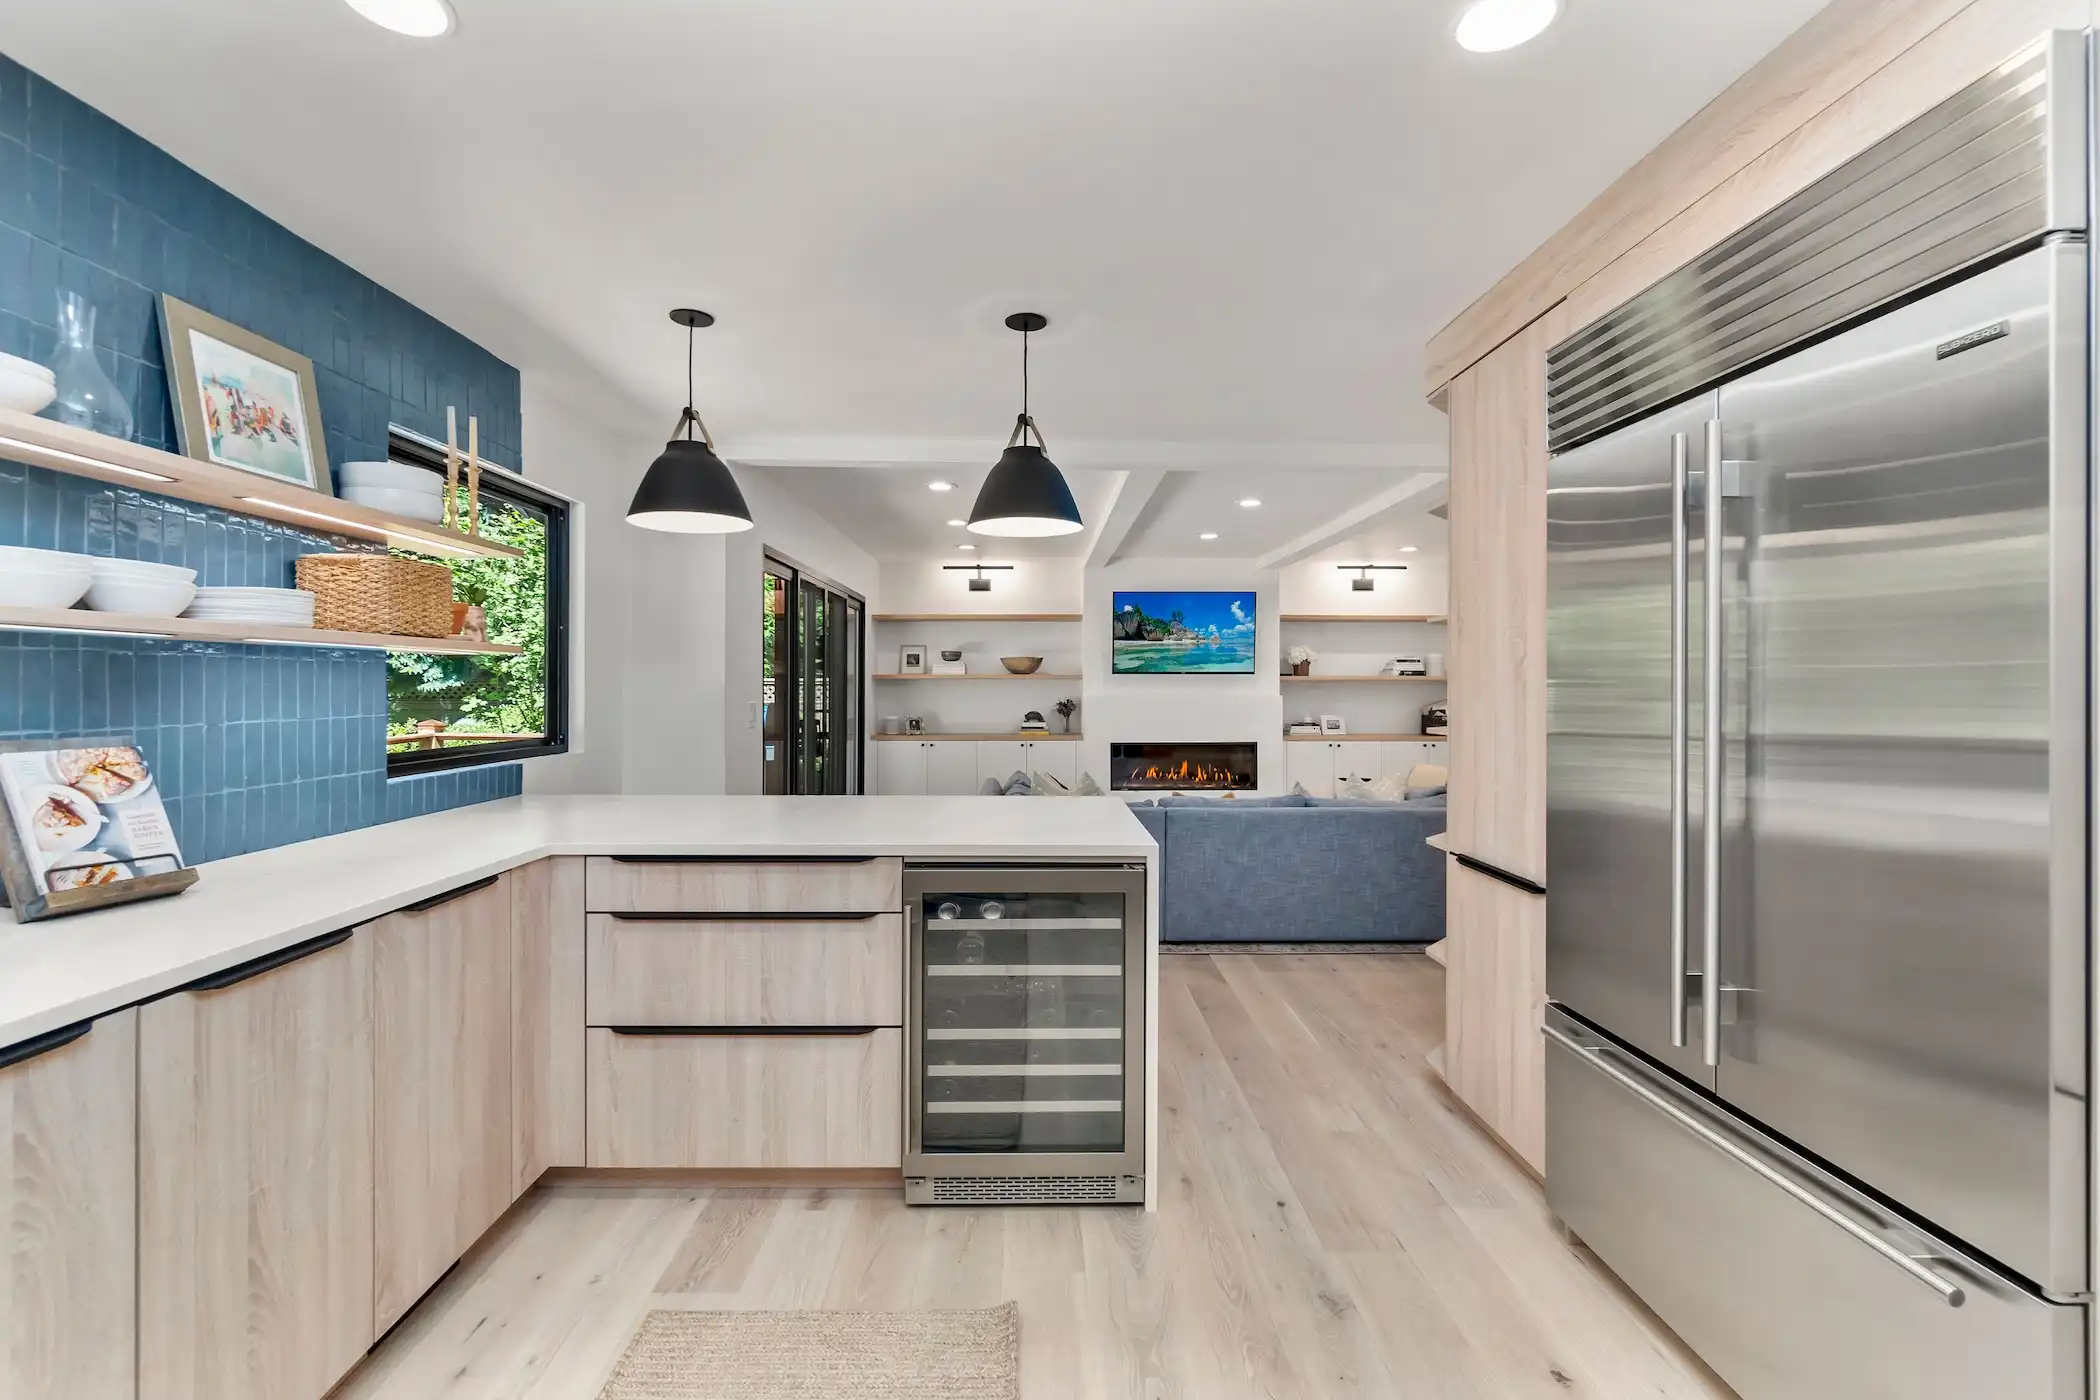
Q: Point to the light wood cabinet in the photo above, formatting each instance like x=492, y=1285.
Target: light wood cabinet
x=1494, y=1002
x=441, y=1128
x=1497, y=655
x=747, y=972
x=255, y=1178
x=547, y=1016
x=68, y=1205
x=727, y=1100
x=849, y=886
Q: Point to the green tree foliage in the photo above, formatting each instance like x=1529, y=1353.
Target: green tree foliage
x=485, y=694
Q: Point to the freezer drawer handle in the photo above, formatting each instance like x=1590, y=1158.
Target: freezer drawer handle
x=1951, y=1293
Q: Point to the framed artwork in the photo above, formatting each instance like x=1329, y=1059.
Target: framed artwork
x=242, y=401
x=911, y=659
x=1335, y=725
x=82, y=826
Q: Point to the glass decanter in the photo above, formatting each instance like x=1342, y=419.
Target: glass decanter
x=87, y=396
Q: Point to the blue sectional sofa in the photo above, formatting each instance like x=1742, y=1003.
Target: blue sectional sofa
x=1297, y=869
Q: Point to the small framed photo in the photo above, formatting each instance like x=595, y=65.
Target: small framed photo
x=242, y=401
x=911, y=659
x=1332, y=725
x=82, y=826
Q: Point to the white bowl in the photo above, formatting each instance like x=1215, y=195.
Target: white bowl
x=139, y=597
x=15, y=364
x=24, y=393
x=43, y=588
x=21, y=556
x=390, y=476
x=141, y=571
x=413, y=504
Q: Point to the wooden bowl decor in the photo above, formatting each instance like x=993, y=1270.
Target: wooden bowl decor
x=1022, y=665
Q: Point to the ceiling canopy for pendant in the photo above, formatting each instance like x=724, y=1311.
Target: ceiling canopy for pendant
x=1025, y=496
x=688, y=490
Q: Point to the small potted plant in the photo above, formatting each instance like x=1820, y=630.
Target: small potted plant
x=1066, y=708
x=1301, y=658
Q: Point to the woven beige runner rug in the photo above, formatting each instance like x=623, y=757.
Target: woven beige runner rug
x=822, y=1356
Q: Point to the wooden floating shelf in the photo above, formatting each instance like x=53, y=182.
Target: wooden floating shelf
x=191, y=629
x=987, y=676
x=1365, y=738
x=972, y=738
x=1359, y=680
x=1364, y=617
x=979, y=617
x=42, y=442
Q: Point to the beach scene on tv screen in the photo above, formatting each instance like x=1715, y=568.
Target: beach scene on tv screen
x=1174, y=633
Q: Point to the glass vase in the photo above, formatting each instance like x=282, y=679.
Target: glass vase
x=87, y=396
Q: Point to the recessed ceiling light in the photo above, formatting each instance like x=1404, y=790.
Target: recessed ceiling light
x=1407, y=549
x=940, y=486
x=958, y=522
x=418, y=19
x=966, y=546
x=1250, y=502
x=1208, y=535
x=1490, y=26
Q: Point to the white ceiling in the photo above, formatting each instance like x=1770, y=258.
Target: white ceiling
x=1244, y=217
x=1188, y=504
x=893, y=514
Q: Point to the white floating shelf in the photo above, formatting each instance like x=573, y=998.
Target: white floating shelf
x=43, y=442
x=190, y=629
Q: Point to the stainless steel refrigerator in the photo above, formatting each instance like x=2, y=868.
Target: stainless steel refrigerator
x=1818, y=836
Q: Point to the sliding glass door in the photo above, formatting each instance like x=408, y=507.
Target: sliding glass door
x=813, y=649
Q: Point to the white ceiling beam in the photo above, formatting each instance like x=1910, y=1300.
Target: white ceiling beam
x=1352, y=519
x=1133, y=493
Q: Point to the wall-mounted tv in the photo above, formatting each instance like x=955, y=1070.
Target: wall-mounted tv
x=1183, y=634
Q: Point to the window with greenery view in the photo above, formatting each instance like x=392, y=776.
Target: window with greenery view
x=444, y=710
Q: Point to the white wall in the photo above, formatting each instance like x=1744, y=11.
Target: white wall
x=1032, y=586
x=789, y=529
x=1317, y=586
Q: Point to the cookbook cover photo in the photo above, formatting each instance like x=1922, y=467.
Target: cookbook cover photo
x=82, y=815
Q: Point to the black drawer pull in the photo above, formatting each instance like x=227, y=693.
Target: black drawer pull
x=269, y=962
x=448, y=896
x=43, y=1044
x=743, y=860
x=1496, y=872
x=689, y=1031
x=755, y=917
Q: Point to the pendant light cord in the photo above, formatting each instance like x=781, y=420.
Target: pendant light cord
x=690, y=416
x=1024, y=374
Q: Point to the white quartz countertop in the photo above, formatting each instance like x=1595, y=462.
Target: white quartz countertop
x=61, y=971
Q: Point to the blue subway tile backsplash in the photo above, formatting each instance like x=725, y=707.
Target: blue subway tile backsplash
x=251, y=746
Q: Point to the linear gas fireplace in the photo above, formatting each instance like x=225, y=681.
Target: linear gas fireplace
x=1182, y=767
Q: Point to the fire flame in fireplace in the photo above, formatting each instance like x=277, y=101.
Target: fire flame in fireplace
x=1187, y=773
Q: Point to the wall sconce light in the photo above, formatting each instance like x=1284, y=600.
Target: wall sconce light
x=979, y=583
x=1362, y=583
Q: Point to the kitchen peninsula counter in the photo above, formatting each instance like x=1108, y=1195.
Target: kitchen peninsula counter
x=62, y=971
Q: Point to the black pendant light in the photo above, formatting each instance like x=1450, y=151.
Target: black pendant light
x=1025, y=496
x=689, y=490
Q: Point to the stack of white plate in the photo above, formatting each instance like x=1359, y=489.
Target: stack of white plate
x=279, y=607
x=139, y=588
x=25, y=385
x=395, y=487
x=42, y=578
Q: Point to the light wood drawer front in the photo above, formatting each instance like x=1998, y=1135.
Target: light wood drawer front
x=816, y=1100
x=738, y=972
x=745, y=887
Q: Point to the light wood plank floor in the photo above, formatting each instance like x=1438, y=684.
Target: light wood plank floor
x=1331, y=1225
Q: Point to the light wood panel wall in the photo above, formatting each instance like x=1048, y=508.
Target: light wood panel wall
x=547, y=996
x=1856, y=71
x=1497, y=659
x=68, y=1206
x=1494, y=1003
x=255, y=1183
x=441, y=1128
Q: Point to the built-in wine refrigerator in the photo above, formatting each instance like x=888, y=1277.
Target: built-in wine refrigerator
x=1027, y=1035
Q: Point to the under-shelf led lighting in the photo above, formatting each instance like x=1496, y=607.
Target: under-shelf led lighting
x=359, y=527
x=71, y=630
x=97, y=463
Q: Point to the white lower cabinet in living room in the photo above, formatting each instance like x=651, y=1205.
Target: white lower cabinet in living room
x=951, y=770
x=1324, y=766
x=255, y=1178
x=68, y=1206
x=900, y=767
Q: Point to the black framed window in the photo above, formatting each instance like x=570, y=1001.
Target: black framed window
x=447, y=711
x=813, y=642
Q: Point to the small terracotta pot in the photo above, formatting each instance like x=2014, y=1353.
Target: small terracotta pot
x=1302, y=668
x=459, y=617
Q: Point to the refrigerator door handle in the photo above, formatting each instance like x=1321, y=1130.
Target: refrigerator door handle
x=1711, y=572
x=1950, y=1292
x=1680, y=685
